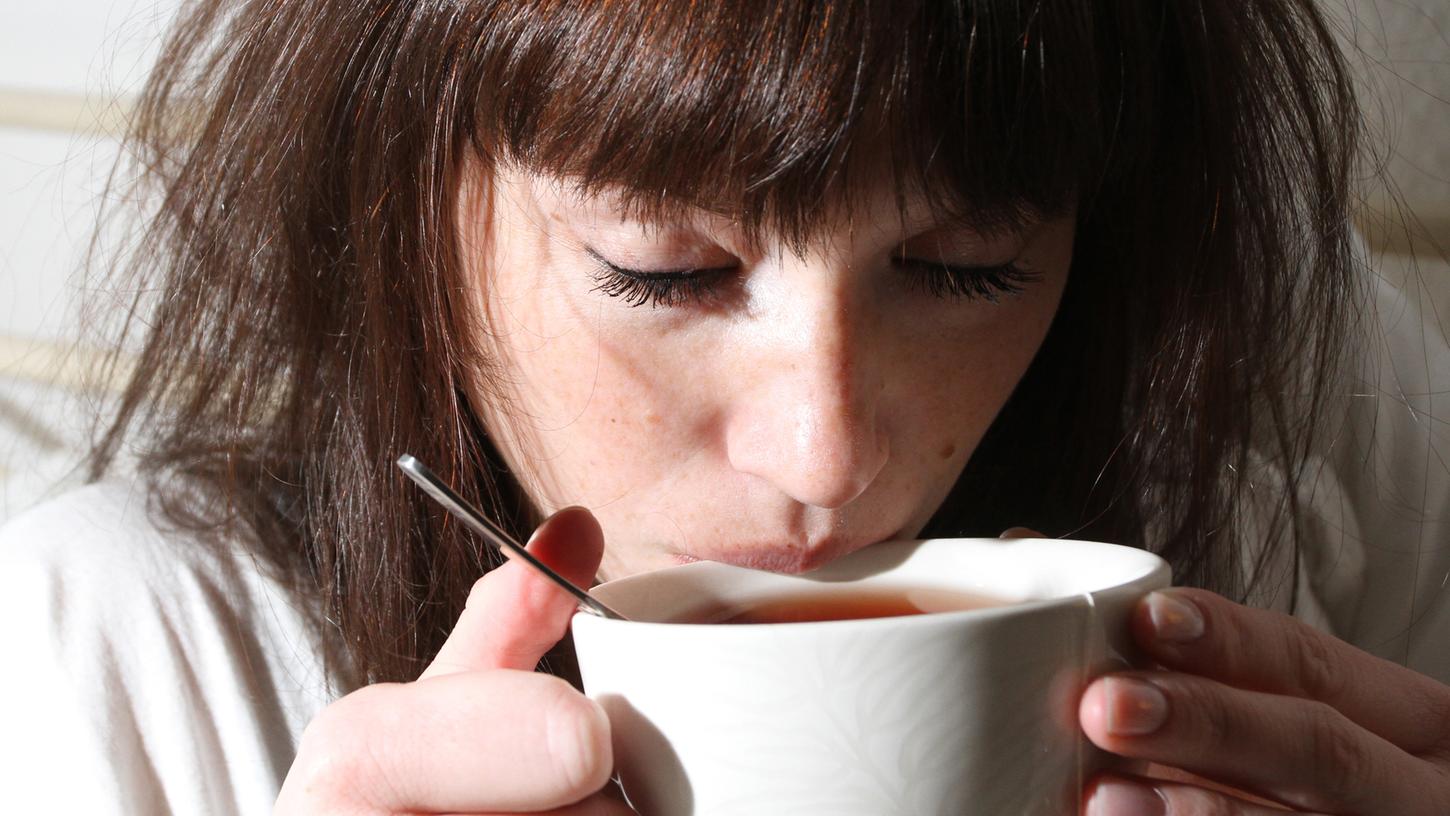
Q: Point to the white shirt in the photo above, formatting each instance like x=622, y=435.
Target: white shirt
x=145, y=672
x=149, y=673
x=1379, y=548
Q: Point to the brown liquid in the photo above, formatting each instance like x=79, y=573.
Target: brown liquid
x=829, y=605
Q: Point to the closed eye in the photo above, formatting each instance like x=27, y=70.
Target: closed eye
x=704, y=285
x=959, y=282
x=658, y=287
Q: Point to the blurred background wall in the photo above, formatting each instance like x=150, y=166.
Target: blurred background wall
x=68, y=67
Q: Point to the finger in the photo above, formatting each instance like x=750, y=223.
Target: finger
x=1127, y=796
x=514, y=614
x=1021, y=532
x=1295, y=751
x=1202, y=633
x=471, y=742
x=597, y=805
x=1167, y=773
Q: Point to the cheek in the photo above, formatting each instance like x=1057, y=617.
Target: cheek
x=982, y=360
x=957, y=382
x=583, y=410
x=605, y=418
x=946, y=403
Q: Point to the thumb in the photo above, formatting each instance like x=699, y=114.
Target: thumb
x=515, y=614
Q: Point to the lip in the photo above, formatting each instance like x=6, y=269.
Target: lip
x=770, y=557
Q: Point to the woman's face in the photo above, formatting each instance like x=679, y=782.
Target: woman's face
x=778, y=409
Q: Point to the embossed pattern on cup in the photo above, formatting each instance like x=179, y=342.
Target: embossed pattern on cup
x=957, y=713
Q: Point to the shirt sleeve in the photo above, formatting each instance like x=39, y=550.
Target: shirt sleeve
x=142, y=674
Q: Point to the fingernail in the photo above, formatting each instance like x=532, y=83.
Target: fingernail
x=1118, y=797
x=1135, y=707
x=1175, y=619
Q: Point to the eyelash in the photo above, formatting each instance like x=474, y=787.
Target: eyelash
x=989, y=283
x=675, y=287
x=679, y=287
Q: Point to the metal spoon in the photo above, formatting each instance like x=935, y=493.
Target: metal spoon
x=476, y=521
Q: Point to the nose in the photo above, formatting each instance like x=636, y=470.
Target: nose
x=809, y=422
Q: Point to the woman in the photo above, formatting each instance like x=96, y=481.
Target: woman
x=761, y=282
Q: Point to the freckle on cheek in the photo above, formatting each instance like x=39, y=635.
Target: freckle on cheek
x=651, y=418
x=947, y=450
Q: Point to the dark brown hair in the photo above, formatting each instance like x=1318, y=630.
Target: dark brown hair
x=306, y=318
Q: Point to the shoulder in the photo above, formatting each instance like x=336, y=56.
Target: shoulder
x=99, y=534
x=97, y=560
x=172, y=672
x=83, y=566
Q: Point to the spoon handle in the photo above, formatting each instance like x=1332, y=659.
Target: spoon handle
x=476, y=521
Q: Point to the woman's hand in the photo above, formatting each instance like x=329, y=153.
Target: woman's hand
x=479, y=731
x=1258, y=702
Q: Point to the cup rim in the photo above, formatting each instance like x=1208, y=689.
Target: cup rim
x=1142, y=571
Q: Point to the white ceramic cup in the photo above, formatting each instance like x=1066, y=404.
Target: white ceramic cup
x=969, y=712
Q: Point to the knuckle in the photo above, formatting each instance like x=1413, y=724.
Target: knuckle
x=333, y=759
x=1320, y=674
x=1217, y=724
x=324, y=764
x=1438, y=716
x=1338, y=757
x=478, y=592
x=578, y=740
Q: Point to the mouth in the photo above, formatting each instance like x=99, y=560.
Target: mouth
x=771, y=557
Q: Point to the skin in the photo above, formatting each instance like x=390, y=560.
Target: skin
x=815, y=408
x=817, y=404
x=1254, y=712
x=480, y=732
